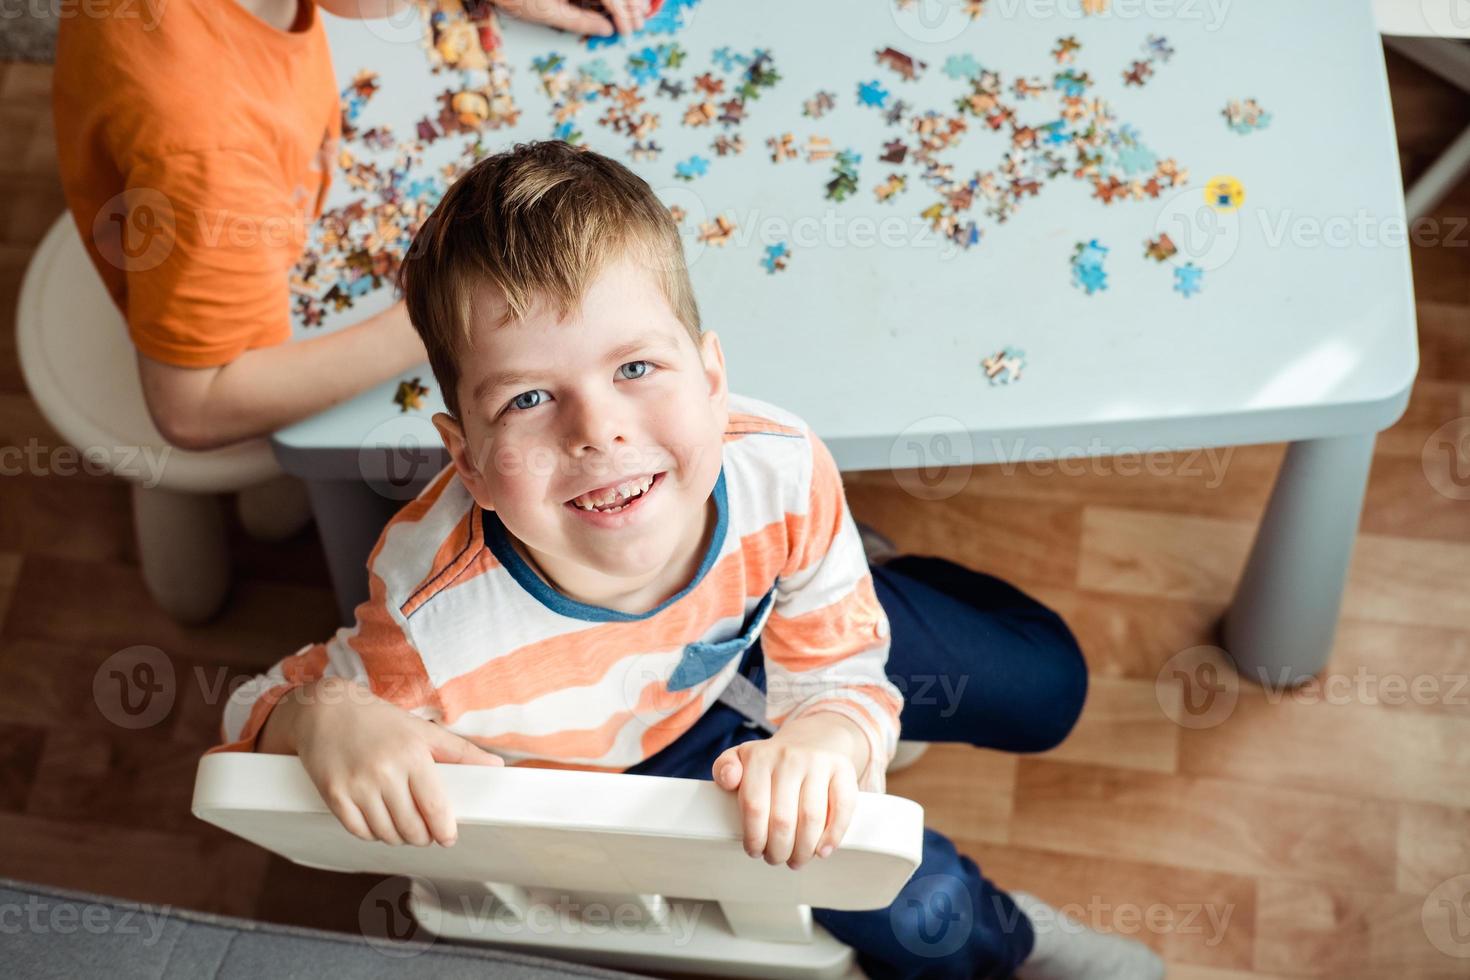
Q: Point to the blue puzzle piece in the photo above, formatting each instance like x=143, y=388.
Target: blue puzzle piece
x=695, y=166
x=774, y=253
x=962, y=66
x=598, y=70
x=1188, y=279
x=872, y=94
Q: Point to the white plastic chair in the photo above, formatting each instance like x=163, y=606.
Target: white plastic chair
x=659, y=860
x=1433, y=34
x=81, y=367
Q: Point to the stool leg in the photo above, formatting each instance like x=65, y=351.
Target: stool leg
x=274, y=510
x=183, y=551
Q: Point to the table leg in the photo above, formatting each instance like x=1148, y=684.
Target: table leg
x=350, y=515
x=1280, y=627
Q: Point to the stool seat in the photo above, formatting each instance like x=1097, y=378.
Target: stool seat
x=81, y=368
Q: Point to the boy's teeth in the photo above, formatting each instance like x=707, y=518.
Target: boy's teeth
x=592, y=501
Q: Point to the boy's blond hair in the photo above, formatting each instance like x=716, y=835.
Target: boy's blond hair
x=538, y=222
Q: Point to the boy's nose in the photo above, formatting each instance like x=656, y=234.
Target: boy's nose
x=593, y=427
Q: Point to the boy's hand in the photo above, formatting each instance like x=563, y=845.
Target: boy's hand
x=373, y=763
x=797, y=788
x=627, y=15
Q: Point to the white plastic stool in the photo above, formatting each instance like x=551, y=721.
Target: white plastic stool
x=633, y=871
x=81, y=368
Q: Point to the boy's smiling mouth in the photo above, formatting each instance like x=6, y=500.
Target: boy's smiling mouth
x=611, y=505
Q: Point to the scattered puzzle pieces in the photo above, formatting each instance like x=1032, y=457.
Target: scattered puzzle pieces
x=905, y=66
x=410, y=395
x=1004, y=366
x=1159, y=249
x=872, y=94
x=717, y=232
x=778, y=256
x=1245, y=116
x=819, y=105
x=844, y=180
x=695, y=166
x=1087, y=267
x=1188, y=279
x=895, y=184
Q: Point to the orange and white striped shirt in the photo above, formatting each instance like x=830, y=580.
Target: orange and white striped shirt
x=459, y=630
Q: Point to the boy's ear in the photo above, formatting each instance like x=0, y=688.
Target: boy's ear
x=452, y=432
x=713, y=358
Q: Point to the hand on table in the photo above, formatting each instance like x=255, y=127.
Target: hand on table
x=798, y=788
x=627, y=15
x=373, y=764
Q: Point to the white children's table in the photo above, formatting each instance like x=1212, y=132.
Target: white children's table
x=876, y=331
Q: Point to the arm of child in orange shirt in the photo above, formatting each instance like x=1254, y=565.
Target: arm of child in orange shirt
x=267, y=388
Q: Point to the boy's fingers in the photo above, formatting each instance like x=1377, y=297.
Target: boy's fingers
x=350, y=815
x=755, y=803
x=433, y=805
x=841, y=803
x=375, y=812
x=727, y=769
x=785, y=810
x=446, y=746
x=811, y=820
x=559, y=13
x=405, y=812
x=623, y=15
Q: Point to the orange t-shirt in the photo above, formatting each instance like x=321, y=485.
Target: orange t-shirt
x=195, y=150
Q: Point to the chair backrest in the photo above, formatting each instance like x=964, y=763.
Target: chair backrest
x=573, y=830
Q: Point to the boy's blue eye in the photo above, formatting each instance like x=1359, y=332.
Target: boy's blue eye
x=643, y=367
x=528, y=399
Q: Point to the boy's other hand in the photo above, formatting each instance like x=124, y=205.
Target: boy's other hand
x=570, y=15
x=373, y=763
x=797, y=788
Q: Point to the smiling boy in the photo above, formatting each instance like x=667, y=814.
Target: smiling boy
x=619, y=543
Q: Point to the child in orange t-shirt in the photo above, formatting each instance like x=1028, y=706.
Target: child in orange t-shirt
x=195, y=144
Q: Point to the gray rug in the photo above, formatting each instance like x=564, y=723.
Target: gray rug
x=28, y=29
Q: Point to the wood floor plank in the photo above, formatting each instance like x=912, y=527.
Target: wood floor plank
x=1433, y=844
x=1312, y=930
x=963, y=789
x=1346, y=748
x=1123, y=726
x=1035, y=543
x=1208, y=824
x=105, y=604
x=1391, y=579
x=207, y=869
x=1198, y=917
x=9, y=575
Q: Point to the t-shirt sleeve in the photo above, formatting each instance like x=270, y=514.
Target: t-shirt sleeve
x=377, y=652
x=826, y=641
x=206, y=241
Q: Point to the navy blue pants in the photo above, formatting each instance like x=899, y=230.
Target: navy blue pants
x=980, y=662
